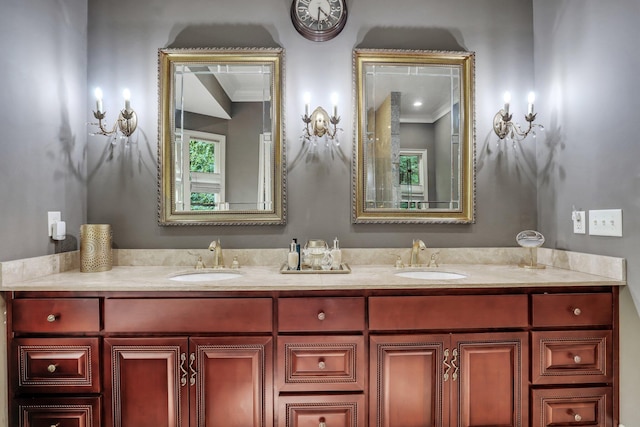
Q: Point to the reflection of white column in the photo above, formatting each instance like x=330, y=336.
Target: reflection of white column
x=396, y=188
x=265, y=180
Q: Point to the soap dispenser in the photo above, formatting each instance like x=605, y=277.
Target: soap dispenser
x=293, y=257
x=336, y=255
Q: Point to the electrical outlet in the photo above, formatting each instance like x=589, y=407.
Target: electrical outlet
x=579, y=222
x=606, y=222
x=51, y=218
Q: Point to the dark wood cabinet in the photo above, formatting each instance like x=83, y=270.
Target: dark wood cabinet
x=213, y=382
x=522, y=357
x=433, y=380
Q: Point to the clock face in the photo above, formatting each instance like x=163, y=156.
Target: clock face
x=319, y=20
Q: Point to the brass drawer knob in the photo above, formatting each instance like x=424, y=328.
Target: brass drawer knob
x=577, y=359
x=55, y=425
x=577, y=417
x=322, y=315
x=51, y=368
x=577, y=312
x=51, y=318
x=322, y=365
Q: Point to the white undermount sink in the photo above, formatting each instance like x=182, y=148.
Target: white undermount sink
x=430, y=275
x=208, y=276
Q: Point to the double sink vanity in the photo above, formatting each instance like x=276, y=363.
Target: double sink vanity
x=494, y=344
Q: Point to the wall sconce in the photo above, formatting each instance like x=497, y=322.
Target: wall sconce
x=127, y=121
x=505, y=128
x=320, y=124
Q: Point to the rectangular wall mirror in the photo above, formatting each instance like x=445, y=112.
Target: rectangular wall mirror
x=221, y=143
x=414, y=156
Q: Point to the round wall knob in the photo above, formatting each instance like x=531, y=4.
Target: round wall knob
x=577, y=417
x=322, y=365
x=51, y=368
x=577, y=359
x=51, y=318
x=577, y=312
x=322, y=315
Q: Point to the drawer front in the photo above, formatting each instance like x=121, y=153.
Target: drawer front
x=57, y=365
x=321, y=363
x=185, y=315
x=565, y=310
x=319, y=410
x=584, y=407
x=56, y=315
x=59, y=412
x=320, y=314
x=568, y=357
x=448, y=312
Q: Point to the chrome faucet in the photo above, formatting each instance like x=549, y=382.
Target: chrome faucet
x=418, y=245
x=216, y=248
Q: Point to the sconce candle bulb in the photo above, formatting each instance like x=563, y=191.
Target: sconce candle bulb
x=127, y=99
x=531, y=98
x=507, y=100
x=98, y=93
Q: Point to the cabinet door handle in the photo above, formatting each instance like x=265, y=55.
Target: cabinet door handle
x=577, y=311
x=454, y=376
x=192, y=359
x=51, y=318
x=52, y=368
x=322, y=315
x=183, y=378
x=444, y=362
x=321, y=364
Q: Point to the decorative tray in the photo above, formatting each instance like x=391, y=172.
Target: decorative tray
x=344, y=269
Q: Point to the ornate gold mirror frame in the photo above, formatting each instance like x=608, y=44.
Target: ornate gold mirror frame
x=227, y=103
x=414, y=146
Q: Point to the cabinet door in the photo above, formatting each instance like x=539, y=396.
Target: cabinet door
x=490, y=380
x=407, y=380
x=147, y=382
x=233, y=382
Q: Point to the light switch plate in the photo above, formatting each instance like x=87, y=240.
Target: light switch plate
x=605, y=222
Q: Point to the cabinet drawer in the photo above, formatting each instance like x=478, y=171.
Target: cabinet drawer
x=59, y=412
x=320, y=314
x=572, y=309
x=584, y=407
x=56, y=365
x=448, y=312
x=186, y=315
x=56, y=315
x=320, y=363
x=330, y=411
x=572, y=357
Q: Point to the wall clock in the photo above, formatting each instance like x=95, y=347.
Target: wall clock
x=319, y=20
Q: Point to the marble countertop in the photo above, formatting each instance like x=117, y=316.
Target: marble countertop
x=267, y=278
x=150, y=270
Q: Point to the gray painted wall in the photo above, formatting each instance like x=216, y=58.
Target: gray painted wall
x=586, y=68
x=123, y=52
x=43, y=115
